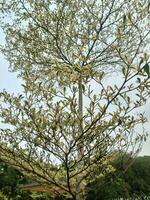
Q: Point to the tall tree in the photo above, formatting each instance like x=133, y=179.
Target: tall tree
x=71, y=115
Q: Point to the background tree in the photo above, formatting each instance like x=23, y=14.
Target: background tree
x=138, y=177
x=9, y=182
x=132, y=183
x=10, y=185
x=71, y=115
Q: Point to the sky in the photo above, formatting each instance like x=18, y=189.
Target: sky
x=11, y=83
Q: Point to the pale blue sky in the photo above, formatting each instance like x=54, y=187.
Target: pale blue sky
x=11, y=83
x=8, y=80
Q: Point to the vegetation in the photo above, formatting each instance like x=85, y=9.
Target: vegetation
x=9, y=181
x=3, y=197
x=132, y=183
x=70, y=117
x=129, y=184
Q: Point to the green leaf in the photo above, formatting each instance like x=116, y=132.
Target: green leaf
x=74, y=89
x=94, y=97
x=37, y=141
x=128, y=99
x=139, y=80
x=129, y=17
x=20, y=96
x=146, y=69
x=123, y=70
x=124, y=19
x=26, y=103
x=64, y=90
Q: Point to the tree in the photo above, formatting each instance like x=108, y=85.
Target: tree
x=138, y=177
x=70, y=115
x=133, y=183
x=9, y=181
x=113, y=185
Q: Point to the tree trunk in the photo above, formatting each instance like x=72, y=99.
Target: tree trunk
x=79, y=189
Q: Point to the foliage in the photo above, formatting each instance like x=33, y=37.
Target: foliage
x=3, y=197
x=138, y=177
x=130, y=184
x=42, y=196
x=70, y=116
x=9, y=180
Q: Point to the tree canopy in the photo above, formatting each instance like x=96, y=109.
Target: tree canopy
x=85, y=71
x=133, y=183
x=10, y=179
